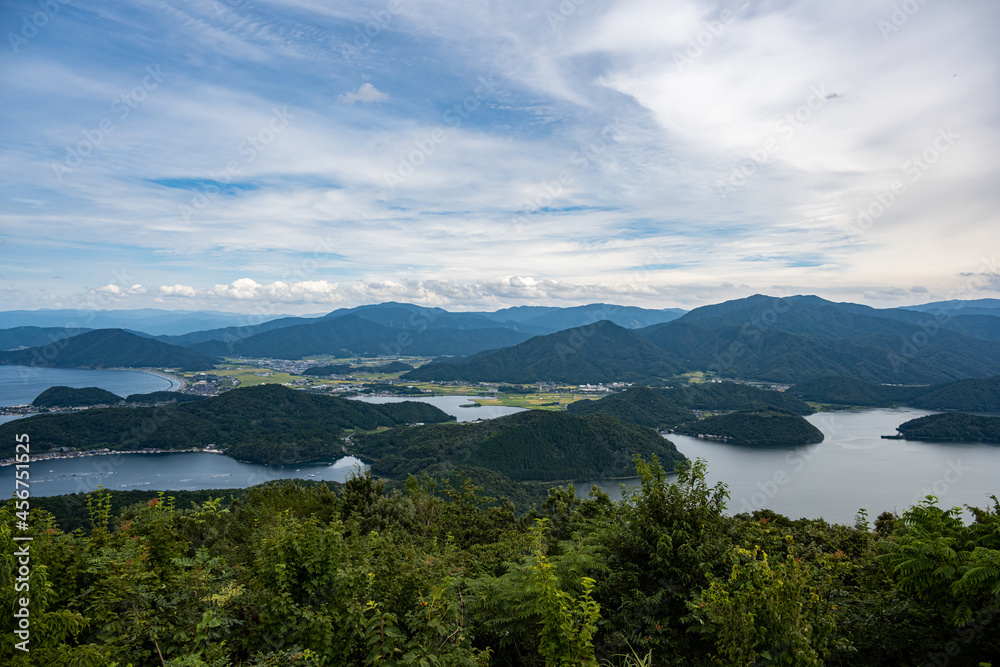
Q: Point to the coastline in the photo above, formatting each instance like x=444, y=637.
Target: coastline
x=172, y=379
x=57, y=456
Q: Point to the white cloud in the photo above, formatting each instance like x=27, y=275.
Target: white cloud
x=366, y=93
x=178, y=290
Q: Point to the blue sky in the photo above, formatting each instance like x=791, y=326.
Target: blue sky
x=293, y=156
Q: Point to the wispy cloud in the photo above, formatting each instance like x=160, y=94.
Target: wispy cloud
x=745, y=142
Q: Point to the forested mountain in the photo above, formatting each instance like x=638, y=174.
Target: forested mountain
x=973, y=395
x=794, y=339
x=558, y=319
x=844, y=390
x=109, y=348
x=960, y=306
x=976, y=394
x=69, y=397
x=756, y=428
x=351, y=334
x=534, y=445
x=34, y=336
x=735, y=396
x=163, y=397
x=666, y=408
x=267, y=423
x=235, y=332
x=601, y=352
x=952, y=427
x=652, y=408
x=151, y=321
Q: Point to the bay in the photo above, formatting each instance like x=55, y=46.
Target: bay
x=852, y=468
x=450, y=405
x=180, y=471
x=20, y=385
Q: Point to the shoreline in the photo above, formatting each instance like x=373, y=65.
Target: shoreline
x=58, y=456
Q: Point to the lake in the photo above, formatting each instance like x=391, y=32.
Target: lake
x=451, y=405
x=852, y=468
x=20, y=385
x=196, y=470
x=184, y=471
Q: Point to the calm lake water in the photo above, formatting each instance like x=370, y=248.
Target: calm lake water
x=188, y=471
x=195, y=470
x=450, y=404
x=20, y=385
x=852, y=468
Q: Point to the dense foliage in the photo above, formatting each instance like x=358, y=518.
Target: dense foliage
x=952, y=427
x=68, y=397
x=652, y=408
x=266, y=424
x=668, y=408
x=735, y=396
x=532, y=445
x=763, y=428
x=162, y=397
x=110, y=348
x=435, y=574
x=975, y=394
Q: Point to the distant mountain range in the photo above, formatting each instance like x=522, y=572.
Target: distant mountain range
x=788, y=340
x=18, y=337
x=109, y=348
x=148, y=320
x=796, y=338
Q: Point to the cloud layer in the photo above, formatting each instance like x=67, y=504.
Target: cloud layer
x=480, y=155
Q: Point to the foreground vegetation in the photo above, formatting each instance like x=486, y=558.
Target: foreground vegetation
x=431, y=574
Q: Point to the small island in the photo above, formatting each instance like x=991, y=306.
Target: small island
x=70, y=397
x=763, y=428
x=952, y=427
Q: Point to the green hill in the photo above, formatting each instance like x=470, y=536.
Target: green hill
x=666, y=408
x=69, y=397
x=35, y=336
x=652, y=408
x=843, y=390
x=600, y=352
x=975, y=394
x=952, y=427
x=766, y=428
x=534, y=445
x=163, y=397
x=264, y=424
x=109, y=348
x=735, y=396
